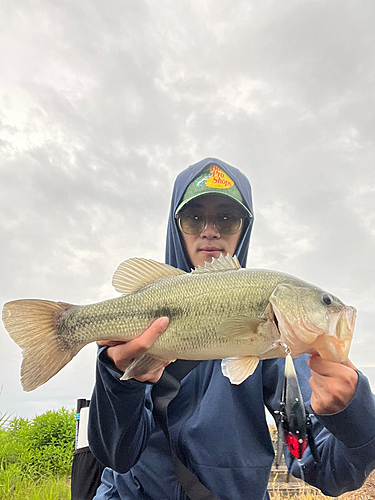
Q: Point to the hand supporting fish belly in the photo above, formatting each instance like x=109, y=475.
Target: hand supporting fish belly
x=124, y=353
x=220, y=311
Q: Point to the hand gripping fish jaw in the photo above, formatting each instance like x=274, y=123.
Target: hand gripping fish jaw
x=294, y=423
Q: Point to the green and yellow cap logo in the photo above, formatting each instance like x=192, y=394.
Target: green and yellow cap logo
x=212, y=181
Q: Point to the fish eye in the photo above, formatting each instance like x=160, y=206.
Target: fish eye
x=326, y=299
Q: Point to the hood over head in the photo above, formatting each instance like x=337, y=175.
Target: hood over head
x=175, y=255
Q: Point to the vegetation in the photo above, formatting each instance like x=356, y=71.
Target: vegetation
x=36, y=456
x=46, y=489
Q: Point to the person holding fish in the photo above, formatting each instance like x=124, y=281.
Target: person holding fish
x=196, y=427
x=217, y=428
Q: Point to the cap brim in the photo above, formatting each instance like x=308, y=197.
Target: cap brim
x=208, y=193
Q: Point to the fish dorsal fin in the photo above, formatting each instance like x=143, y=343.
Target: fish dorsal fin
x=227, y=263
x=134, y=273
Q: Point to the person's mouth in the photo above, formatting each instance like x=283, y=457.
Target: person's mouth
x=209, y=251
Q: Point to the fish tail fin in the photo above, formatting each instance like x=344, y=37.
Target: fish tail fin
x=33, y=325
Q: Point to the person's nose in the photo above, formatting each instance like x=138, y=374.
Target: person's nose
x=210, y=231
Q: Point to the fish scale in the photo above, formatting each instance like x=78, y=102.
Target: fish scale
x=180, y=295
x=220, y=311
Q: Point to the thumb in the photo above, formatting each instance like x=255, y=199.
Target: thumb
x=350, y=364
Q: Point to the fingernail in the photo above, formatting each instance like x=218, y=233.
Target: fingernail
x=163, y=323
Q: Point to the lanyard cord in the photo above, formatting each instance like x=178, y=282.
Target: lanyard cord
x=162, y=394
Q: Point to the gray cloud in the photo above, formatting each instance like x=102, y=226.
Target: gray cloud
x=101, y=105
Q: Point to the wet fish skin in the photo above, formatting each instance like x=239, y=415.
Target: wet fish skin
x=217, y=312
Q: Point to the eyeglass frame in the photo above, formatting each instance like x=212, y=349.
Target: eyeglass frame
x=211, y=217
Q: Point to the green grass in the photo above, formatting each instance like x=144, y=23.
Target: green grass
x=16, y=488
x=36, y=456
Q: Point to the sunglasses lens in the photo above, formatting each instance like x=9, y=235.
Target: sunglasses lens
x=192, y=224
x=225, y=224
x=228, y=224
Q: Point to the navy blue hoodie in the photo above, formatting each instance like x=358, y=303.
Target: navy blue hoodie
x=218, y=430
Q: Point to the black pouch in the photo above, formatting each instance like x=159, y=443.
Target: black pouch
x=86, y=469
x=86, y=475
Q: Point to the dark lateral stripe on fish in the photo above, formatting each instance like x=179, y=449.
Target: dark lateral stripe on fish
x=71, y=322
x=223, y=313
x=172, y=313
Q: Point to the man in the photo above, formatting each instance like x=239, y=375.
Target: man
x=216, y=429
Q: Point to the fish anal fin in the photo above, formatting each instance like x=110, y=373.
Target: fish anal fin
x=144, y=364
x=135, y=273
x=239, y=369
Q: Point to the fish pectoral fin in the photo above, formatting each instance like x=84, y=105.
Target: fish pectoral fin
x=133, y=274
x=144, y=364
x=241, y=327
x=238, y=369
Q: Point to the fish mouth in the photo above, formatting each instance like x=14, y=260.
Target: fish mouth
x=304, y=337
x=335, y=344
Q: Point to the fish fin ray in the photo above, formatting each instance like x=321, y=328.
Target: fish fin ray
x=227, y=263
x=276, y=350
x=135, y=273
x=240, y=327
x=32, y=324
x=142, y=365
x=239, y=369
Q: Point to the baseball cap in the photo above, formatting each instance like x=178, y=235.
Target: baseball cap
x=212, y=181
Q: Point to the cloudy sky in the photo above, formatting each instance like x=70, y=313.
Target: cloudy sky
x=102, y=104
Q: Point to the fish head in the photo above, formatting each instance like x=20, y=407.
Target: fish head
x=313, y=321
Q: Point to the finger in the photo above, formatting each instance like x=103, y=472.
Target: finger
x=349, y=364
x=319, y=405
x=317, y=365
x=331, y=394
x=111, y=343
x=138, y=346
x=159, y=323
x=328, y=368
x=316, y=381
x=124, y=354
x=323, y=366
x=322, y=400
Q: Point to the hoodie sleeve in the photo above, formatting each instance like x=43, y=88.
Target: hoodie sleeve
x=345, y=440
x=120, y=420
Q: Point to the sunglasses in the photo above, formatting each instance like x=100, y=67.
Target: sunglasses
x=225, y=224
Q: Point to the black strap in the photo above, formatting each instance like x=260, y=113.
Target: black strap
x=180, y=368
x=162, y=394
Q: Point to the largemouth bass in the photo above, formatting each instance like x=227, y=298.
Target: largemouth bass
x=220, y=311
